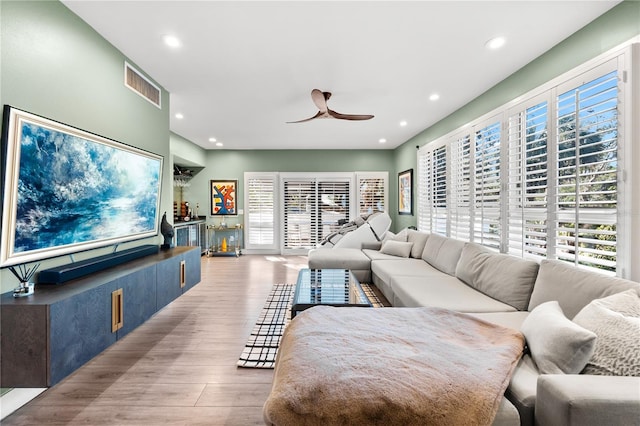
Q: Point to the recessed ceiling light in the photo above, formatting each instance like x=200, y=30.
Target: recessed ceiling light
x=179, y=116
x=495, y=43
x=403, y=123
x=212, y=139
x=219, y=144
x=382, y=140
x=171, y=41
x=434, y=97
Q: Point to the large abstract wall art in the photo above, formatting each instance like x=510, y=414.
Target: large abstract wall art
x=67, y=190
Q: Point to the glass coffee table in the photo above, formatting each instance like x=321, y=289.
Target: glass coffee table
x=332, y=287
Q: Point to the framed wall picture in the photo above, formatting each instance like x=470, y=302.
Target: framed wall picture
x=67, y=190
x=405, y=192
x=224, y=197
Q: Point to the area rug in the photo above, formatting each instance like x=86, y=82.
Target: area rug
x=262, y=345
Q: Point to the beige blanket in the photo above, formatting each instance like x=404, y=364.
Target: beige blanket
x=390, y=366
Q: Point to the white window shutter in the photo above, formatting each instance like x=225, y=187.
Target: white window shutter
x=528, y=181
x=587, y=182
x=487, y=186
x=260, y=210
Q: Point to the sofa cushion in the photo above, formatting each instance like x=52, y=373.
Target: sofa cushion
x=371, y=245
x=442, y=253
x=501, y=276
x=378, y=255
x=505, y=319
x=338, y=258
x=385, y=269
x=443, y=291
x=522, y=389
x=557, y=344
x=586, y=400
x=396, y=248
x=573, y=287
x=616, y=321
x=419, y=239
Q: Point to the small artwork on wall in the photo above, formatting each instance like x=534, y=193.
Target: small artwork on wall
x=224, y=195
x=405, y=192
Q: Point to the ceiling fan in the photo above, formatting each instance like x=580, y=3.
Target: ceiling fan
x=320, y=99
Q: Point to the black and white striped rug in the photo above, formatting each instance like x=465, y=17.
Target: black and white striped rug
x=262, y=345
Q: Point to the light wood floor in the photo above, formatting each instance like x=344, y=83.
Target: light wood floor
x=179, y=368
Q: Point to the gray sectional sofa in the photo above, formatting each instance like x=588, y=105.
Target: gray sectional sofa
x=414, y=269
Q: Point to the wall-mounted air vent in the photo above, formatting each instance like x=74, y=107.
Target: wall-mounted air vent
x=137, y=82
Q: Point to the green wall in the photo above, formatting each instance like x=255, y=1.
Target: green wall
x=615, y=27
x=53, y=64
x=231, y=164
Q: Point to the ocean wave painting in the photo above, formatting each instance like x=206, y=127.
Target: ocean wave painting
x=73, y=190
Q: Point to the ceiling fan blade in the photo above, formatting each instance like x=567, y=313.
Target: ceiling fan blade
x=349, y=116
x=306, y=119
x=320, y=99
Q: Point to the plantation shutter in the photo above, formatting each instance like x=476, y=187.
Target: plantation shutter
x=424, y=190
x=300, y=214
x=314, y=207
x=439, y=213
x=260, y=202
x=432, y=199
x=372, y=192
x=334, y=206
x=587, y=182
x=460, y=191
x=487, y=186
x=528, y=181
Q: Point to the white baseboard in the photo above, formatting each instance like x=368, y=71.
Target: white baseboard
x=16, y=398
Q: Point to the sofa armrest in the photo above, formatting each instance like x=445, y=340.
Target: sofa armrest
x=587, y=400
x=371, y=245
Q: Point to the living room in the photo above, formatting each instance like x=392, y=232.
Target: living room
x=52, y=62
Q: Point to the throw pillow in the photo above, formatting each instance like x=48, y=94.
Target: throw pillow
x=396, y=248
x=557, y=345
x=419, y=239
x=400, y=236
x=616, y=321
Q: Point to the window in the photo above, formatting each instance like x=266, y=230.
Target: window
x=460, y=184
x=300, y=207
x=260, y=202
x=312, y=206
x=433, y=181
x=528, y=180
x=372, y=192
x=486, y=186
x=547, y=186
x=587, y=182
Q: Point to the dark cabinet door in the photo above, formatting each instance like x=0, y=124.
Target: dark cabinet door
x=139, y=298
x=192, y=269
x=80, y=328
x=168, y=281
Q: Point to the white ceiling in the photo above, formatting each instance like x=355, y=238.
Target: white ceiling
x=245, y=68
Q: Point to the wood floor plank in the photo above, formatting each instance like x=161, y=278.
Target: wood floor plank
x=179, y=368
